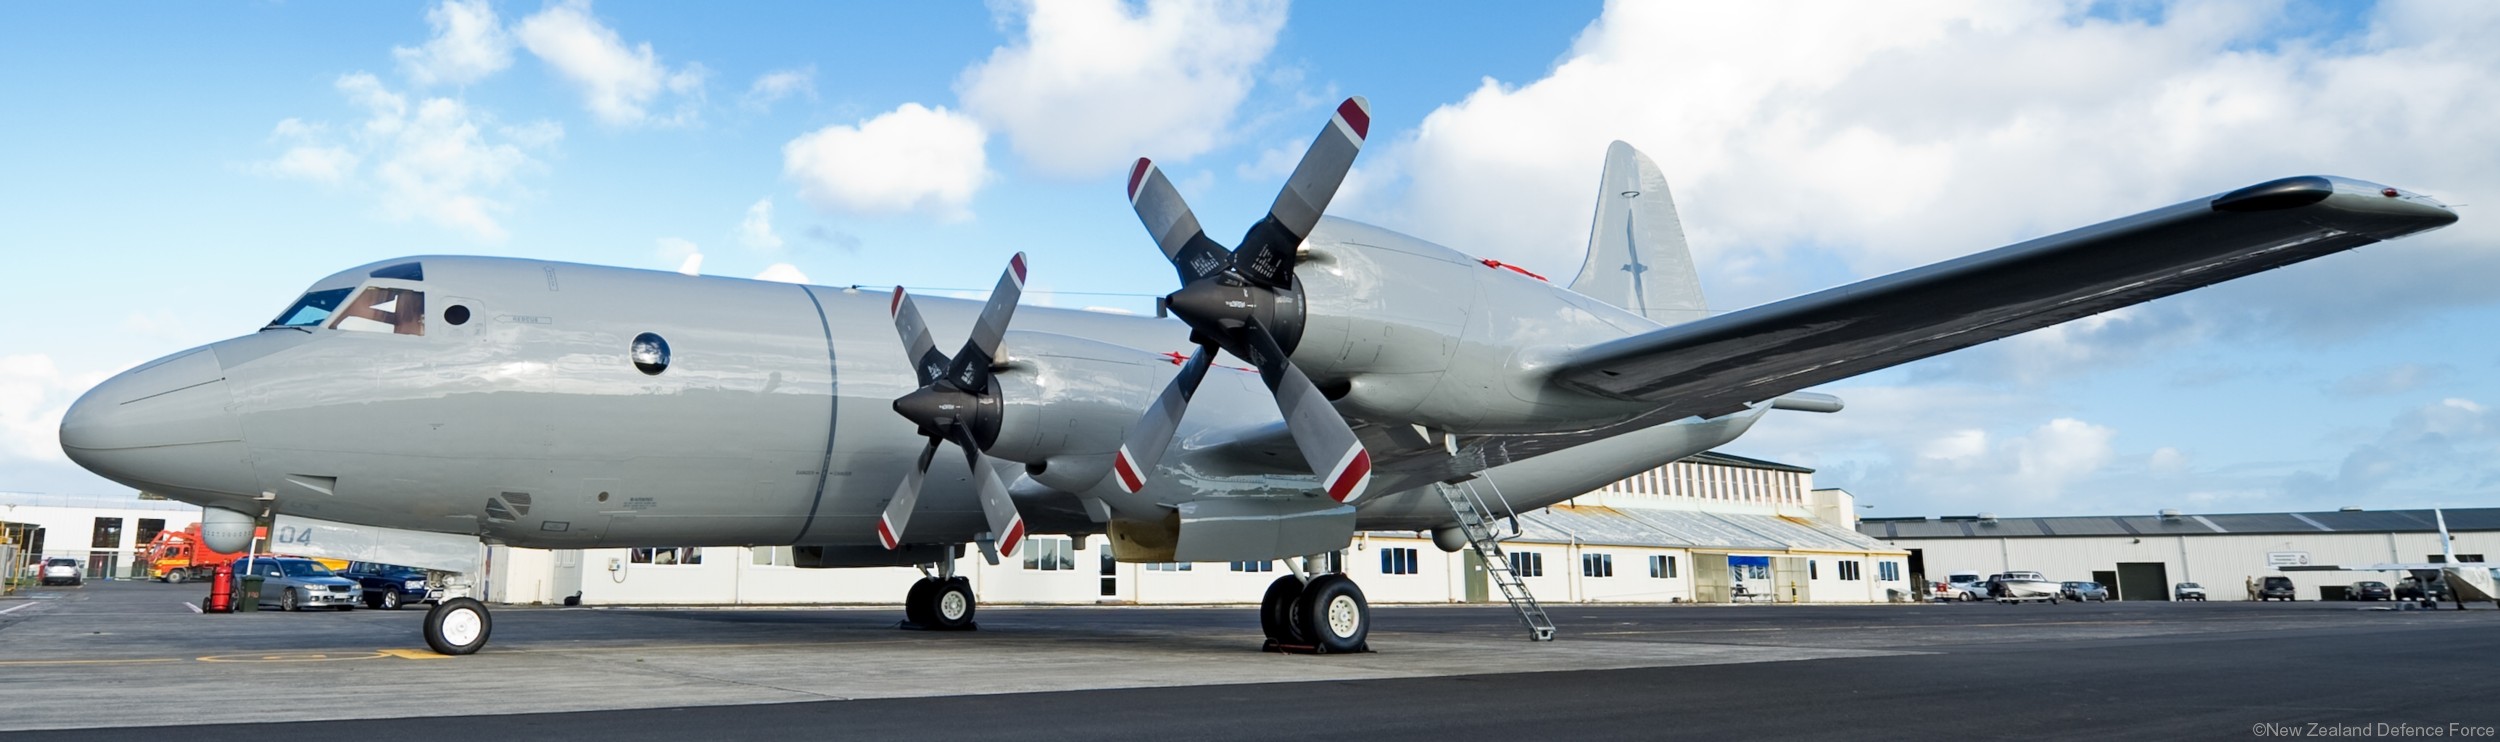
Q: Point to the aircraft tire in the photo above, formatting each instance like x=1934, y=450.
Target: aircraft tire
x=1334, y=615
x=1276, y=610
x=951, y=605
x=458, y=626
x=916, y=603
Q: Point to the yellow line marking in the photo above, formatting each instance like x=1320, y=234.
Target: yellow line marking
x=415, y=654
x=303, y=657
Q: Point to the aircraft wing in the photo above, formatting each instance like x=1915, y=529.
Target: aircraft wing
x=1723, y=364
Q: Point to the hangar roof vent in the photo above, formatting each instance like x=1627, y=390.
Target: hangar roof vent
x=1988, y=518
x=2351, y=508
x=2169, y=513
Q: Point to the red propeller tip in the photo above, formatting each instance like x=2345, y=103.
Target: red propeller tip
x=1017, y=263
x=1130, y=481
x=895, y=307
x=1355, y=118
x=1350, y=476
x=1137, y=176
x=885, y=534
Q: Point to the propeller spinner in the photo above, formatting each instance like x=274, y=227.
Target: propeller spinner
x=1246, y=301
x=958, y=401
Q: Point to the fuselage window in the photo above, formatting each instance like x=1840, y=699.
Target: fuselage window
x=311, y=310
x=457, y=314
x=402, y=271
x=379, y=309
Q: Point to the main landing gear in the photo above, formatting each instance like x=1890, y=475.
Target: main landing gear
x=1313, y=613
x=940, y=601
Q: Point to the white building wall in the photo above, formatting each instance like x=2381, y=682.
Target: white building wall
x=69, y=530
x=2221, y=562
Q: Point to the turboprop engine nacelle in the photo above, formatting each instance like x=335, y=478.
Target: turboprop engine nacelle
x=1397, y=328
x=1066, y=403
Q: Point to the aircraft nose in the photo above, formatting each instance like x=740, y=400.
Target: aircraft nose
x=163, y=427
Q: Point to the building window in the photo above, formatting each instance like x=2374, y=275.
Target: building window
x=1168, y=567
x=1527, y=564
x=148, y=528
x=108, y=534
x=1849, y=570
x=1814, y=569
x=1662, y=566
x=1398, y=561
x=669, y=555
x=773, y=556
x=1050, y=554
x=1263, y=565
x=1888, y=571
x=1597, y=565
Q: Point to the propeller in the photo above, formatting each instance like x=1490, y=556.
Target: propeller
x=1246, y=301
x=958, y=402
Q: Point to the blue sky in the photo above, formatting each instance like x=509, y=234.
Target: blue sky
x=173, y=174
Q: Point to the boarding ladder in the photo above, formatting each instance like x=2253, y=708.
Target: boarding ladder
x=1473, y=520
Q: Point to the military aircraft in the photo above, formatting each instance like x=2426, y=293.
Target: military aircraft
x=2465, y=580
x=564, y=406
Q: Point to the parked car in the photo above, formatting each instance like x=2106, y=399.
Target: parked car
x=2188, y=591
x=1962, y=586
x=2082, y=591
x=2368, y=590
x=2410, y=588
x=389, y=586
x=2276, y=588
x=296, y=583
x=63, y=571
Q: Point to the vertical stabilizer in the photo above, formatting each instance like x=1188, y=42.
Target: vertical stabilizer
x=2447, y=545
x=1637, y=259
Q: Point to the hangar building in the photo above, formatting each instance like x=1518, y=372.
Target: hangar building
x=2142, y=557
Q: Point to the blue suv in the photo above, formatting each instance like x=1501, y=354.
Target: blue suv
x=389, y=586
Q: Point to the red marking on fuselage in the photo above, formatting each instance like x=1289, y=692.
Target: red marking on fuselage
x=1491, y=263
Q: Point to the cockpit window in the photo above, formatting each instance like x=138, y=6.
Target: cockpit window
x=402, y=271
x=311, y=310
x=380, y=309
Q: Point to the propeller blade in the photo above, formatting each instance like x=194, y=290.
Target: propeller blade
x=927, y=364
x=1006, y=524
x=906, y=498
x=1327, y=443
x=1153, y=433
x=971, y=371
x=1174, y=226
x=1266, y=253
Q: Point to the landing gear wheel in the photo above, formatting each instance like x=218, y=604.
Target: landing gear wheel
x=1333, y=616
x=458, y=626
x=917, y=602
x=1277, y=608
x=951, y=605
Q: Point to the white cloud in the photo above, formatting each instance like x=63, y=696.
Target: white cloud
x=756, y=230
x=1094, y=84
x=2424, y=453
x=776, y=85
x=909, y=159
x=618, y=83
x=2167, y=461
x=782, y=272
x=1889, y=136
x=683, y=252
x=2396, y=379
x=34, y=392
x=1942, y=449
x=469, y=44
x=431, y=160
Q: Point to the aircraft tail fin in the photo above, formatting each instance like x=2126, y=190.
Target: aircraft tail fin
x=1637, y=258
x=2447, y=546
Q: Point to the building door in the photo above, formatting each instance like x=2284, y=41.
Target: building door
x=2109, y=581
x=100, y=565
x=1710, y=578
x=1110, y=573
x=1478, y=588
x=1789, y=575
x=568, y=576
x=2143, y=581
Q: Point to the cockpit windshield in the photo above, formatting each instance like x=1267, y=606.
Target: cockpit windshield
x=311, y=310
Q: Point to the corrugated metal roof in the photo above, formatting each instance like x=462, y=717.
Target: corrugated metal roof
x=2374, y=521
x=1728, y=459
x=1686, y=529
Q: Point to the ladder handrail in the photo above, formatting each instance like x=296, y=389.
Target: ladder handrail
x=1469, y=507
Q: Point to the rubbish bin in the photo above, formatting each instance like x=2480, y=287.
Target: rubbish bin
x=247, y=600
